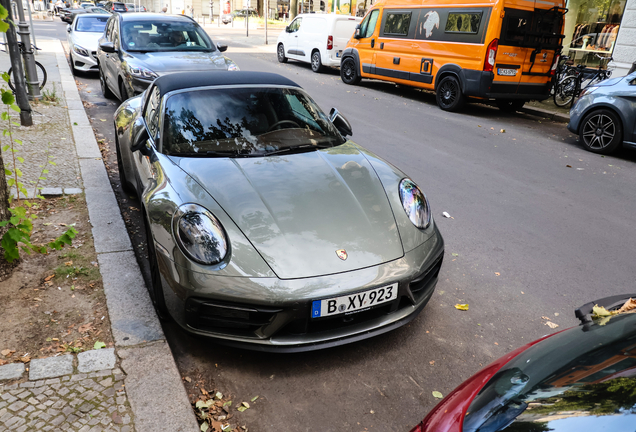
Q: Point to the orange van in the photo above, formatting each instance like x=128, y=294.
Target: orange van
x=506, y=50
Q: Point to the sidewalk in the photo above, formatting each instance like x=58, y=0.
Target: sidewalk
x=135, y=385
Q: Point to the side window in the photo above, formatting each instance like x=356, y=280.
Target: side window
x=397, y=23
x=295, y=25
x=462, y=22
x=152, y=112
x=109, y=30
x=368, y=24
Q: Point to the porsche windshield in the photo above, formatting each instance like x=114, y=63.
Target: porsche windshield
x=245, y=121
x=148, y=36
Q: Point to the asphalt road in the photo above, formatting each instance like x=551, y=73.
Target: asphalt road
x=539, y=226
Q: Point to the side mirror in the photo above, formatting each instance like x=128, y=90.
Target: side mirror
x=140, y=137
x=356, y=34
x=68, y=28
x=340, y=122
x=287, y=29
x=221, y=47
x=107, y=47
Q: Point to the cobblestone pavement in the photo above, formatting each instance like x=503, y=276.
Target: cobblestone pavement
x=79, y=402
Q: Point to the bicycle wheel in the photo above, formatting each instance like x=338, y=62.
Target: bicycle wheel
x=564, y=91
x=42, y=76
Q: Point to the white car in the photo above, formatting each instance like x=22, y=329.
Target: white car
x=83, y=35
x=318, y=39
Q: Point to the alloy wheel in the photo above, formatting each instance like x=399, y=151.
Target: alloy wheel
x=599, y=131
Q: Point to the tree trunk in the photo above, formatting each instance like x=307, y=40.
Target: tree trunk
x=293, y=9
x=4, y=195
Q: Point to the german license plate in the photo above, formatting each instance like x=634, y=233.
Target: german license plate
x=507, y=72
x=338, y=54
x=353, y=303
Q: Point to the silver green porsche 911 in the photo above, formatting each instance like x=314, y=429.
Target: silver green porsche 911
x=266, y=227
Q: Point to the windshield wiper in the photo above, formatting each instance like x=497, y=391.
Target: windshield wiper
x=211, y=153
x=298, y=149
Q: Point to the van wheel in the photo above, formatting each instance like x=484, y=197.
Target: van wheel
x=349, y=72
x=601, y=131
x=510, y=105
x=449, y=94
x=280, y=53
x=316, y=63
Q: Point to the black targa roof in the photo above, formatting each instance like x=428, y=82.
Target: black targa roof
x=188, y=80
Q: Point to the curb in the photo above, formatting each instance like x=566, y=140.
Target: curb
x=155, y=391
x=564, y=118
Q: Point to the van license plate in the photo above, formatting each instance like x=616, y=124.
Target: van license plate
x=353, y=303
x=507, y=72
x=338, y=54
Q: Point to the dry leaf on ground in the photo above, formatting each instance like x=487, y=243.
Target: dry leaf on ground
x=551, y=324
x=463, y=307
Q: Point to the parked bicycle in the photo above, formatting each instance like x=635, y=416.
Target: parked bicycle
x=42, y=76
x=562, y=68
x=570, y=87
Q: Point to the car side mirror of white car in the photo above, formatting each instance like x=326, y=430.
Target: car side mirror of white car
x=287, y=29
x=221, y=47
x=340, y=122
x=68, y=28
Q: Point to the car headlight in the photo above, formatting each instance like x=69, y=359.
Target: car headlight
x=588, y=91
x=232, y=67
x=141, y=72
x=199, y=234
x=414, y=203
x=81, y=51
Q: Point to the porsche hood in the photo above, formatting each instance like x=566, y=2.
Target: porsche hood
x=307, y=214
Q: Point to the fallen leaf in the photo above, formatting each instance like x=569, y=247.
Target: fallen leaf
x=551, y=324
x=188, y=379
x=600, y=311
x=99, y=345
x=254, y=398
x=502, y=131
x=497, y=274
x=438, y=395
x=85, y=328
x=68, y=263
x=241, y=409
x=568, y=166
x=545, y=318
x=432, y=362
x=246, y=405
x=7, y=352
x=463, y=307
x=204, y=391
x=3, y=362
x=48, y=278
x=218, y=395
x=455, y=254
x=25, y=359
x=628, y=306
x=204, y=427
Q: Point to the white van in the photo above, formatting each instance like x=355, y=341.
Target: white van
x=318, y=39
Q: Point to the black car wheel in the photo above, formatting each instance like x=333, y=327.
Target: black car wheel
x=349, y=72
x=123, y=92
x=601, y=131
x=280, y=53
x=156, y=288
x=449, y=94
x=125, y=185
x=510, y=105
x=102, y=83
x=316, y=62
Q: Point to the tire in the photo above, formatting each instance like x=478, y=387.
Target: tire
x=108, y=94
x=601, y=131
x=155, y=288
x=42, y=76
x=564, y=91
x=510, y=105
x=449, y=94
x=316, y=62
x=123, y=92
x=349, y=71
x=123, y=180
x=73, y=70
x=280, y=54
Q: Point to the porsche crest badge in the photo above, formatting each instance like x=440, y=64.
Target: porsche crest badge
x=342, y=254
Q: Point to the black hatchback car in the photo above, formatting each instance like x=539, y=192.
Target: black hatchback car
x=138, y=47
x=579, y=379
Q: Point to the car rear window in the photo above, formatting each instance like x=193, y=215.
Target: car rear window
x=243, y=121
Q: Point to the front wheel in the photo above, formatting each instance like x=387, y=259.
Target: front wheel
x=510, y=105
x=349, y=72
x=123, y=180
x=102, y=83
x=42, y=76
x=280, y=53
x=564, y=91
x=316, y=62
x=601, y=131
x=156, y=287
x=449, y=94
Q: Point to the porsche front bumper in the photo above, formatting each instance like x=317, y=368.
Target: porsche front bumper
x=271, y=314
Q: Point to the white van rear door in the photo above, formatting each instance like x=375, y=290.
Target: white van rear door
x=343, y=29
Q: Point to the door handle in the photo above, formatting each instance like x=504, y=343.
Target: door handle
x=372, y=43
